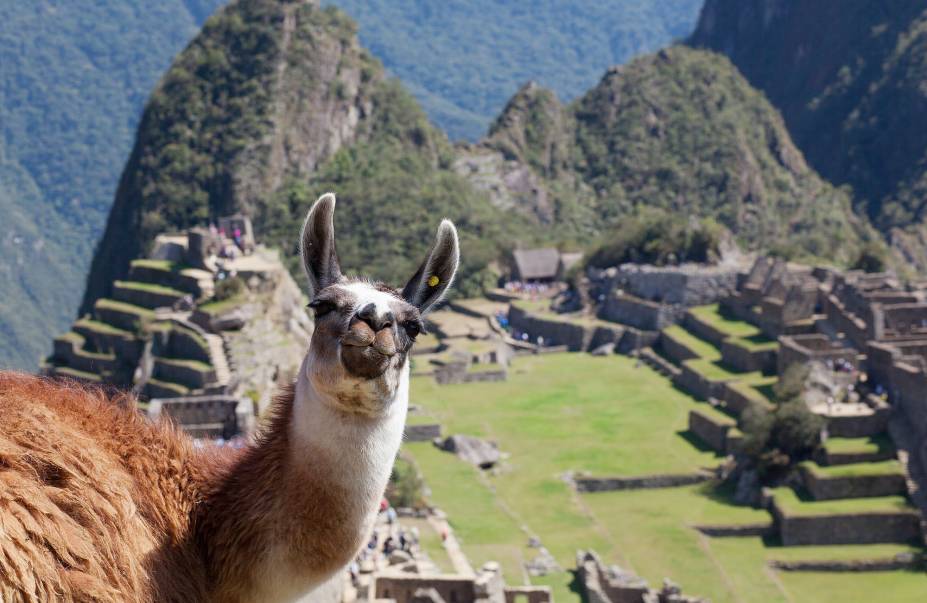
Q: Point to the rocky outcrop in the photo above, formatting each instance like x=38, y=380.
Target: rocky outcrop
x=268, y=89
x=475, y=451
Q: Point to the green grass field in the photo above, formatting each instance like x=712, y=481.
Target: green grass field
x=606, y=416
x=891, y=467
x=870, y=445
x=734, y=327
x=793, y=505
x=700, y=347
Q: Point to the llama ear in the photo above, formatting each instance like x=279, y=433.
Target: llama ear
x=434, y=276
x=317, y=244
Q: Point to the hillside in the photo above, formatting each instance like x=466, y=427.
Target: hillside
x=851, y=93
x=462, y=59
x=273, y=103
x=680, y=131
x=74, y=77
x=276, y=102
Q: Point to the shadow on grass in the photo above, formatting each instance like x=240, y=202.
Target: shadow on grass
x=576, y=586
x=695, y=441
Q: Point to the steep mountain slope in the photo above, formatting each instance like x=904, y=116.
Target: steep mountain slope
x=74, y=77
x=849, y=80
x=679, y=130
x=273, y=103
x=463, y=58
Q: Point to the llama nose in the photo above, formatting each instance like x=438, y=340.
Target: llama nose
x=368, y=314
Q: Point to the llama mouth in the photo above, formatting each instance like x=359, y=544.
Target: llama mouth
x=381, y=342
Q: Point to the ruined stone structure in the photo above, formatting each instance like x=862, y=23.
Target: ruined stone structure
x=602, y=584
x=168, y=336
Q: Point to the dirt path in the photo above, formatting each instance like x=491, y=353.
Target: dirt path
x=452, y=546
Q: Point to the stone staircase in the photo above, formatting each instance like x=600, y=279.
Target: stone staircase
x=658, y=363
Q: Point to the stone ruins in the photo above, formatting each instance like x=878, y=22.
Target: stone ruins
x=182, y=329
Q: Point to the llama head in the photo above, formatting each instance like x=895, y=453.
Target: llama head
x=365, y=330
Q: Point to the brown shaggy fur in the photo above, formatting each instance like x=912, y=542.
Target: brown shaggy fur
x=99, y=504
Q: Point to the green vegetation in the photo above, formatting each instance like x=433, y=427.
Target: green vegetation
x=853, y=104
x=715, y=415
x=101, y=327
x=714, y=316
x=67, y=371
x=890, y=467
x=216, y=308
x=195, y=365
x=506, y=45
x=700, y=347
x=658, y=237
x=75, y=75
x=149, y=287
x=622, y=421
x=229, y=288
x=176, y=388
x=405, y=485
x=164, y=265
x=875, y=444
x=118, y=306
x=790, y=504
x=712, y=370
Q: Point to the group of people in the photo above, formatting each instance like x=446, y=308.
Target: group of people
x=231, y=245
x=397, y=538
x=522, y=288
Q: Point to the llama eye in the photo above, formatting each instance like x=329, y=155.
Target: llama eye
x=321, y=307
x=412, y=329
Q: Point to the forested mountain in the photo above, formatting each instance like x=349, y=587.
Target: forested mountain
x=849, y=80
x=679, y=131
x=74, y=76
x=276, y=102
x=273, y=103
x=462, y=59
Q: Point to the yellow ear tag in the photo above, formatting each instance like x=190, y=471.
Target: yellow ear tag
x=433, y=281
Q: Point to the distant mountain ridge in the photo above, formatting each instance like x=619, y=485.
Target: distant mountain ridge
x=75, y=75
x=679, y=131
x=276, y=102
x=461, y=59
x=849, y=80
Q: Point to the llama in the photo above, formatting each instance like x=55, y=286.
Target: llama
x=99, y=504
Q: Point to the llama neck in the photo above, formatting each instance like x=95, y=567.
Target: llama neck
x=305, y=496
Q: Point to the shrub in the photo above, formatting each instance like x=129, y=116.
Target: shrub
x=658, y=237
x=872, y=258
x=229, y=288
x=792, y=383
x=406, y=487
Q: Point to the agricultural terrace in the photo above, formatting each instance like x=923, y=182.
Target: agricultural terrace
x=612, y=416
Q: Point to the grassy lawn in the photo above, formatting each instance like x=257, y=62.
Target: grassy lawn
x=715, y=415
x=541, y=309
x=891, y=467
x=148, y=287
x=101, y=327
x=871, y=445
x=67, y=371
x=118, y=306
x=564, y=412
x=218, y=307
x=790, y=504
x=556, y=413
x=712, y=370
x=165, y=265
x=756, y=343
x=430, y=542
x=191, y=364
x=732, y=326
x=700, y=347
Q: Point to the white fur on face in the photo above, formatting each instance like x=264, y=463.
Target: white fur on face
x=365, y=293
